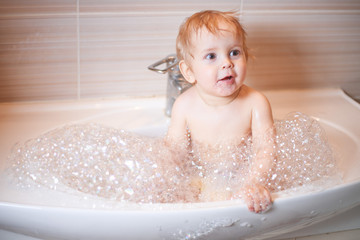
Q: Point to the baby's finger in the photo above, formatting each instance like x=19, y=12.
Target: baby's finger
x=257, y=205
x=250, y=205
x=267, y=195
x=266, y=201
x=257, y=200
x=249, y=200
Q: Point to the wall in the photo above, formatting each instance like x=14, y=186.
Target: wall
x=73, y=49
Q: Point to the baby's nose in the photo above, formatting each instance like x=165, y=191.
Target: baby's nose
x=227, y=64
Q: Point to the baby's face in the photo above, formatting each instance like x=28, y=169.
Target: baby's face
x=218, y=64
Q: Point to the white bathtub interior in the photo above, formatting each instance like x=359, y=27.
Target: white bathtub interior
x=40, y=214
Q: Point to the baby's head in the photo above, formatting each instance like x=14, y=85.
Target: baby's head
x=211, y=21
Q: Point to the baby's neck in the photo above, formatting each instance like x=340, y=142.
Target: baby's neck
x=218, y=101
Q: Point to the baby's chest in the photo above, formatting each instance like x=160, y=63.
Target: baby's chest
x=215, y=135
x=213, y=132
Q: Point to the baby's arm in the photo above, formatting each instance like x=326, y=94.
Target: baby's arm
x=178, y=140
x=256, y=194
x=178, y=128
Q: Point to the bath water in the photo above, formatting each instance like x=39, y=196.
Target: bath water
x=121, y=166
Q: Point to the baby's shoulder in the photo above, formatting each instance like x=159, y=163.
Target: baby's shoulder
x=255, y=100
x=186, y=98
x=253, y=95
x=184, y=101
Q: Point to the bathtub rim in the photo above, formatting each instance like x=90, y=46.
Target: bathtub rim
x=278, y=197
x=282, y=207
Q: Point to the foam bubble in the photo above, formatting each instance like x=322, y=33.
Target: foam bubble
x=122, y=166
x=106, y=162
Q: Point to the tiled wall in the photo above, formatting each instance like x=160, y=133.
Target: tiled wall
x=308, y=43
x=71, y=49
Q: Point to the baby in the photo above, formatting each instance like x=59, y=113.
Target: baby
x=219, y=107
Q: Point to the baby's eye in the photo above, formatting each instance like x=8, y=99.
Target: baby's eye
x=235, y=53
x=210, y=56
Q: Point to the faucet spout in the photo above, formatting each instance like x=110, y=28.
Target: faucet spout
x=176, y=83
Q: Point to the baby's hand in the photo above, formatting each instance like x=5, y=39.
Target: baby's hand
x=257, y=197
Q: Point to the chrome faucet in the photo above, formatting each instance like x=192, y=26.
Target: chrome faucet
x=176, y=83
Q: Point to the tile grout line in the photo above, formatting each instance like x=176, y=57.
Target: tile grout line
x=78, y=49
x=171, y=13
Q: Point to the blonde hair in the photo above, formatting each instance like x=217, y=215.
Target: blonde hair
x=211, y=20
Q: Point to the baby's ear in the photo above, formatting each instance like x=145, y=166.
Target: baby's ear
x=187, y=72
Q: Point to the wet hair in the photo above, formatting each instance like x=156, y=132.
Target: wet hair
x=211, y=20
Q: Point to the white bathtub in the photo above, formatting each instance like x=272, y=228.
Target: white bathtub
x=51, y=215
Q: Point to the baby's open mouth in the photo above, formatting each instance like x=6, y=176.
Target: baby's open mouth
x=227, y=78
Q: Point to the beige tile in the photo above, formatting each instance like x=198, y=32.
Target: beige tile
x=38, y=72
x=162, y=7
x=116, y=51
x=109, y=28
x=49, y=29
x=25, y=8
x=38, y=56
x=303, y=50
x=309, y=5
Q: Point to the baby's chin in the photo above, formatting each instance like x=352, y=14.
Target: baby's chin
x=227, y=89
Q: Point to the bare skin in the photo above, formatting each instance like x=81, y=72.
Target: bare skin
x=219, y=107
